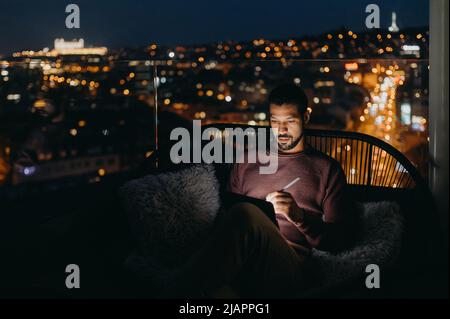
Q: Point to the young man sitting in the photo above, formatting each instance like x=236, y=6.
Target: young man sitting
x=247, y=252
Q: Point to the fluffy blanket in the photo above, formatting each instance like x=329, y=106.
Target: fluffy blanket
x=171, y=214
x=379, y=243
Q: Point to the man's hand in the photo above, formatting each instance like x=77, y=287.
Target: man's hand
x=286, y=205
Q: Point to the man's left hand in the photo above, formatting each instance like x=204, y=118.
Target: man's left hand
x=286, y=205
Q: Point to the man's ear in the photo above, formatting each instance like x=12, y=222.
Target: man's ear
x=306, y=117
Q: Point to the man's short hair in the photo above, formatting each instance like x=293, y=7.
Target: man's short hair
x=289, y=94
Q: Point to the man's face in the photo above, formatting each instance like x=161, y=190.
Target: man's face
x=289, y=122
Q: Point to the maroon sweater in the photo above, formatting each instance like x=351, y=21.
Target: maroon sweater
x=320, y=192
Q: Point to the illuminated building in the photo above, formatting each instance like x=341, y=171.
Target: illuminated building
x=410, y=50
x=76, y=47
x=394, y=27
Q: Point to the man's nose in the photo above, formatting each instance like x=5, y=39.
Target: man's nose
x=282, y=128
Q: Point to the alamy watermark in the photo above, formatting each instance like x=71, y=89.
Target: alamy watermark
x=373, y=279
x=373, y=19
x=73, y=19
x=262, y=146
x=73, y=279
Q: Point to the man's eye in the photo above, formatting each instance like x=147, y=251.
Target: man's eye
x=291, y=121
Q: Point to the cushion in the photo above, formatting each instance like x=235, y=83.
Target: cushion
x=170, y=213
x=379, y=243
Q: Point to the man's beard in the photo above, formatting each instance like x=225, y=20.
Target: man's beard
x=293, y=144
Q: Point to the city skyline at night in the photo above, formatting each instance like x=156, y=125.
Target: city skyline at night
x=370, y=82
x=139, y=23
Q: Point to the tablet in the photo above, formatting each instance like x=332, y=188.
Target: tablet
x=229, y=199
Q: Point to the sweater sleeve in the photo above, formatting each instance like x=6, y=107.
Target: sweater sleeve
x=333, y=230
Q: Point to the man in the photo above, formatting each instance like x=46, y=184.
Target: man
x=312, y=212
x=247, y=252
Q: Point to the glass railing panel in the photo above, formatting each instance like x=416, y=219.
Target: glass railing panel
x=73, y=119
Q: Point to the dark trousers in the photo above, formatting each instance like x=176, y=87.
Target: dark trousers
x=246, y=256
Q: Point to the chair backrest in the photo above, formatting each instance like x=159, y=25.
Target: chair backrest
x=366, y=160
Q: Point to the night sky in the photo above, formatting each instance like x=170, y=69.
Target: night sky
x=33, y=25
